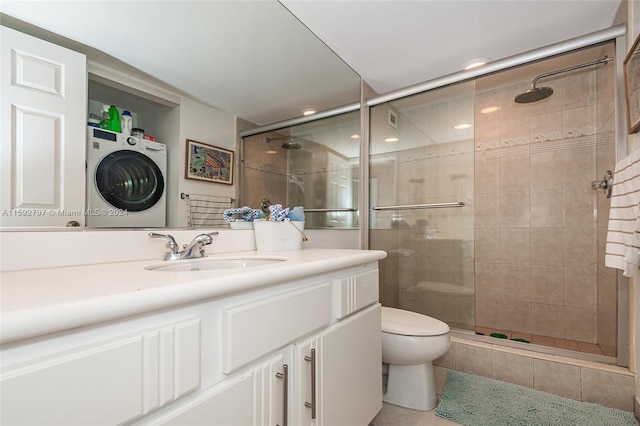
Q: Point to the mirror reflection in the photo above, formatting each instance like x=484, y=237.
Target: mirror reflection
x=187, y=93
x=315, y=165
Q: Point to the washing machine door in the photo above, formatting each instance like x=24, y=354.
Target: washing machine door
x=129, y=180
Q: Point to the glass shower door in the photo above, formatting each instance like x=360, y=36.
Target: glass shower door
x=421, y=190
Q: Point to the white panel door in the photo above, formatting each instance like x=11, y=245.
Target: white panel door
x=43, y=121
x=348, y=373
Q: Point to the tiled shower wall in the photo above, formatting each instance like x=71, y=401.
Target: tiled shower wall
x=540, y=229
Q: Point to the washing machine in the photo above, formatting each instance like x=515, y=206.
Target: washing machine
x=126, y=181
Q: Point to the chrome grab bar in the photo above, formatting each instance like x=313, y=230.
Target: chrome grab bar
x=330, y=210
x=421, y=206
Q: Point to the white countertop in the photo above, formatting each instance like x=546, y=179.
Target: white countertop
x=39, y=301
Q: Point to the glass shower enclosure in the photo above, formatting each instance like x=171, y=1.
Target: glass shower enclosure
x=485, y=207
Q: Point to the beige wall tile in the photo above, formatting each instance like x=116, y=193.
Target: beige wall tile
x=516, y=283
x=440, y=376
x=580, y=246
x=546, y=127
x=608, y=389
x=447, y=360
x=487, y=175
x=514, y=173
x=546, y=208
x=579, y=206
x=581, y=286
x=516, y=316
x=546, y=170
x=547, y=247
x=547, y=320
x=487, y=210
x=488, y=280
x=581, y=324
x=473, y=360
x=509, y=110
x=516, y=246
x=556, y=378
x=547, y=285
x=512, y=368
x=579, y=89
x=488, y=312
x=514, y=132
x=487, y=135
x=487, y=246
x=515, y=209
x=578, y=167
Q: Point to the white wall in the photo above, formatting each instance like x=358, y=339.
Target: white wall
x=210, y=126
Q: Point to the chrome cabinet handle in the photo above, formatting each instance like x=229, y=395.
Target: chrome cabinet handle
x=312, y=405
x=285, y=392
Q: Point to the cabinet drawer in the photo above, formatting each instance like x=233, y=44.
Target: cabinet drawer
x=253, y=330
x=354, y=293
x=115, y=381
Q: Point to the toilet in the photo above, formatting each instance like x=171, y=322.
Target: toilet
x=410, y=344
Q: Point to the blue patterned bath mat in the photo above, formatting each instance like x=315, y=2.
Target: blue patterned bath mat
x=478, y=401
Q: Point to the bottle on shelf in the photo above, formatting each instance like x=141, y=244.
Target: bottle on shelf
x=104, y=123
x=114, y=119
x=126, y=122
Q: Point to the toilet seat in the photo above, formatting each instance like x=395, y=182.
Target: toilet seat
x=406, y=323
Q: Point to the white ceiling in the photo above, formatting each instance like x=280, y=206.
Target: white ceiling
x=255, y=60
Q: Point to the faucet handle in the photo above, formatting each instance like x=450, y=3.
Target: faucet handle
x=205, y=239
x=171, y=242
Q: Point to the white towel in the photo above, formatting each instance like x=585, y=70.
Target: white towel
x=623, y=237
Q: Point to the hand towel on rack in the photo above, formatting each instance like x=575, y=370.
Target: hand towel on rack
x=623, y=236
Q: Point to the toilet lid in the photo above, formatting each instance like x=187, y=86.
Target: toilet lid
x=407, y=323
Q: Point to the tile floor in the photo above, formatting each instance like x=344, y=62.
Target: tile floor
x=392, y=415
x=572, y=345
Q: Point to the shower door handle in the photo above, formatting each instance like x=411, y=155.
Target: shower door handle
x=312, y=404
x=420, y=206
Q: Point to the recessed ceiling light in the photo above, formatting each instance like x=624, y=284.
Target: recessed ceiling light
x=391, y=139
x=489, y=110
x=474, y=63
x=462, y=126
x=308, y=111
x=270, y=152
x=355, y=136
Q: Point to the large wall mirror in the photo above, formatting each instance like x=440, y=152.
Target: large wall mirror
x=251, y=59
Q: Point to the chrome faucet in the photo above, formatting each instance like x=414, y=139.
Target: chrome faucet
x=192, y=250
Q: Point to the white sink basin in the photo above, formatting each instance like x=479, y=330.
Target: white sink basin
x=208, y=264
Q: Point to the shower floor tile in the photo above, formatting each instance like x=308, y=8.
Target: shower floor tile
x=572, y=345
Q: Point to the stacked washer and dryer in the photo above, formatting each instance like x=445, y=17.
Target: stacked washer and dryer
x=126, y=180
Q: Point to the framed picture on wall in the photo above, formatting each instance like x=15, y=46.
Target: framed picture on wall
x=632, y=86
x=208, y=163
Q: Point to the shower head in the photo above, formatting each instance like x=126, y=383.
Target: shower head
x=536, y=94
x=288, y=144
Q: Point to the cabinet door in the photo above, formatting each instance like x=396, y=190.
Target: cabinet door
x=254, y=397
x=348, y=379
x=42, y=121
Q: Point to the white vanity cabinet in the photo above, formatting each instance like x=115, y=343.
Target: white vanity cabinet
x=303, y=352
